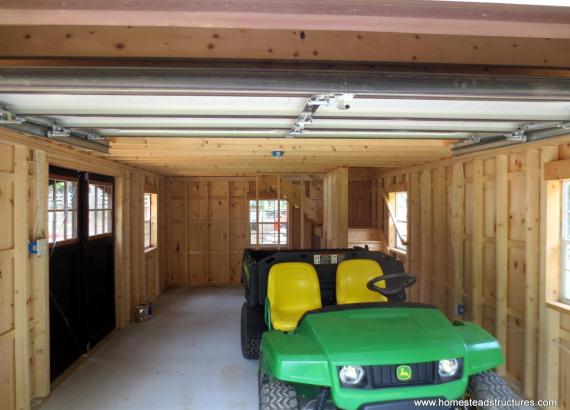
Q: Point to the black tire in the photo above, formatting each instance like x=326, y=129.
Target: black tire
x=490, y=386
x=252, y=327
x=276, y=395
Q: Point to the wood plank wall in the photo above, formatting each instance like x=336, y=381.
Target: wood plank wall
x=474, y=227
x=365, y=200
x=24, y=279
x=208, y=228
x=335, y=209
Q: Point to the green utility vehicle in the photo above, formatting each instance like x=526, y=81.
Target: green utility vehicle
x=369, y=350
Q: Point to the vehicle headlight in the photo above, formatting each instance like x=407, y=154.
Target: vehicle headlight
x=351, y=376
x=448, y=368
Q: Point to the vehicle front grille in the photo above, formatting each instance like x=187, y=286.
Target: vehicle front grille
x=385, y=376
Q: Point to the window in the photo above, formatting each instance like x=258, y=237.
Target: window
x=150, y=214
x=272, y=228
x=565, y=243
x=398, y=226
x=100, y=209
x=62, y=210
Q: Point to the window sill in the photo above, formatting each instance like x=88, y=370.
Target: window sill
x=398, y=251
x=150, y=249
x=559, y=306
x=100, y=236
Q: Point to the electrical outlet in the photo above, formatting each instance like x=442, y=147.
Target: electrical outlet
x=461, y=310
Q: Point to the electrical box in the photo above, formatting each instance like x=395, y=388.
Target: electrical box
x=38, y=247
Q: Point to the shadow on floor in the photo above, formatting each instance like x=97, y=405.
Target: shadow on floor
x=186, y=357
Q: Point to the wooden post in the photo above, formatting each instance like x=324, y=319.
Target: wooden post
x=380, y=223
x=256, y=211
x=477, y=242
x=141, y=254
x=457, y=235
x=39, y=268
x=502, y=249
x=425, y=278
x=302, y=212
x=278, y=211
x=549, y=319
x=532, y=244
x=185, y=220
x=119, y=243
x=126, y=220
x=414, y=242
x=21, y=279
x=136, y=257
x=228, y=253
x=439, y=249
x=335, y=205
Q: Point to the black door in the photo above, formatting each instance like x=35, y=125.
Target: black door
x=82, y=290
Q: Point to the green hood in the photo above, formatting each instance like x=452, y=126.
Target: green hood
x=376, y=335
x=383, y=335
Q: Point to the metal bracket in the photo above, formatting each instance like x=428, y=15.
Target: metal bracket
x=319, y=100
x=58, y=132
x=8, y=117
x=517, y=136
x=313, y=103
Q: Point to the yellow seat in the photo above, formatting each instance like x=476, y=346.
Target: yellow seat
x=292, y=289
x=351, y=278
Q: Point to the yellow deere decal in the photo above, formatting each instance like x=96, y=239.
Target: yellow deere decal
x=404, y=373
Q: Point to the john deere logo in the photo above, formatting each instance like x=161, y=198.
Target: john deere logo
x=404, y=373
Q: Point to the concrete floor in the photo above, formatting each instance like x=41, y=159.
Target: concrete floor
x=186, y=357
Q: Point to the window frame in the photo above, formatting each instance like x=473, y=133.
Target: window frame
x=564, y=241
x=63, y=178
x=394, y=242
x=153, y=221
x=111, y=209
x=278, y=221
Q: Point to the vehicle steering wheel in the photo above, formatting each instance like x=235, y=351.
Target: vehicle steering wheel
x=401, y=281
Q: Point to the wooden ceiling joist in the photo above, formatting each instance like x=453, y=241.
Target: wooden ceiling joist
x=426, y=16
x=198, y=156
x=215, y=43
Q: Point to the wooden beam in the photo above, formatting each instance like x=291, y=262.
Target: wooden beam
x=398, y=187
x=414, y=230
x=335, y=209
x=137, y=257
x=532, y=244
x=502, y=249
x=425, y=285
x=257, y=211
x=126, y=239
x=21, y=279
x=129, y=41
x=477, y=242
x=227, y=213
x=119, y=226
x=549, y=319
x=484, y=155
x=439, y=234
x=185, y=219
x=457, y=235
x=425, y=17
x=39, y=270
x=556, y=170
x=302, y=212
